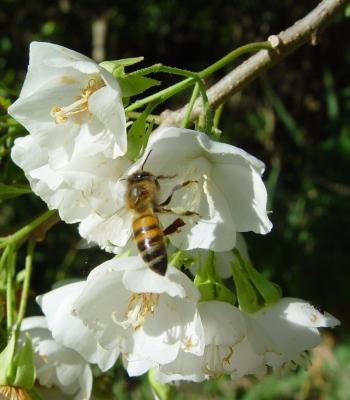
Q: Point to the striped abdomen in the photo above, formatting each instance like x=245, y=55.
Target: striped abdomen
x=150, y=242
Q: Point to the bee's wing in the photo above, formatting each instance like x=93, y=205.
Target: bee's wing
x=111, y=233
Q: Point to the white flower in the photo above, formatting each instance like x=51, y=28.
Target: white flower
x=55, y=364
x=71, y=158
x=231, y=347
x=291, y=327
x=71, y=104
x=148, y=317
x=227, y=193
x=78, y=186
x=69, y=330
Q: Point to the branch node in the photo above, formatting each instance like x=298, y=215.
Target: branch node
x=275, y=41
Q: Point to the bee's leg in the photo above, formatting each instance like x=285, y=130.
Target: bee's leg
x=163, y=177
x=173, y=190
x=160, y=209
x=174, y=227
x=166, y=176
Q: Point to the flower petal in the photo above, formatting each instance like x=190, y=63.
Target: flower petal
x=69, y=330
x=106, y=105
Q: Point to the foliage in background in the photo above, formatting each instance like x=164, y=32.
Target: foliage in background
x=296, y=118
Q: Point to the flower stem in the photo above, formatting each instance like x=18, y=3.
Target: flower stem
x=26, y=230
x=150, y=118
x=10, y=289
x=4, y=257
x=193, y=78
x=217, y=116
x=247, y=48
x=26, y=283
x=190, y=106
x=164, y=94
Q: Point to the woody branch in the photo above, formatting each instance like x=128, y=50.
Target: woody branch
x=305, y=30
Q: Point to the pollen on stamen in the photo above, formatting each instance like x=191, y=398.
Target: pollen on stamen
x=187, y=344
x=58, y=115
x=77, y=108
x=140, y=305
x=13, y=393
x=227, y=359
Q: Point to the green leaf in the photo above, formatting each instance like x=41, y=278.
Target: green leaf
x=6, y=357
x=131, y=85
x=111, y=65
x=25, y=370
x=138, y=135
x=8, y=192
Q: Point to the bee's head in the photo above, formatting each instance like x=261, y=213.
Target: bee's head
x=140, y=176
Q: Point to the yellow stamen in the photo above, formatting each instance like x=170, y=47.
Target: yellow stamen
x=81, y=105
x=227, y=359
x=13, y=393
x=140, y=305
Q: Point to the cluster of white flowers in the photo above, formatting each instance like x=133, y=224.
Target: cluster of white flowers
x=125, y=309
x=75, y=159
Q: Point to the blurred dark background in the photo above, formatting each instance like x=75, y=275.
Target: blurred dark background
x=295, y=117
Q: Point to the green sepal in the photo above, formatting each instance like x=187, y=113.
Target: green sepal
x=210, y=284
x=246, y=294
x=112, y=65
x=215, y=291
x=11, y=191
x=269, y=291
x=138, y=135
x=162, y=391
x=131, y=85
x=24, y=366
x=6, y=360
x=207, y=272
x=181, y=259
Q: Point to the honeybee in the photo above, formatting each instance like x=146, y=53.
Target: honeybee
x=141, y=194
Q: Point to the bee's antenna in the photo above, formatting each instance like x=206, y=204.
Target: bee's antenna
x=143, y=164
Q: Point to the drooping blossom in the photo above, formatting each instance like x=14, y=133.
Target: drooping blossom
x=148, y=317
x=70, y=331
x=55, y=364
x=71, y=157
x=239, y=344
x=291, y=326
x=70, y=104
x=225, y=194
x=231, y=347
